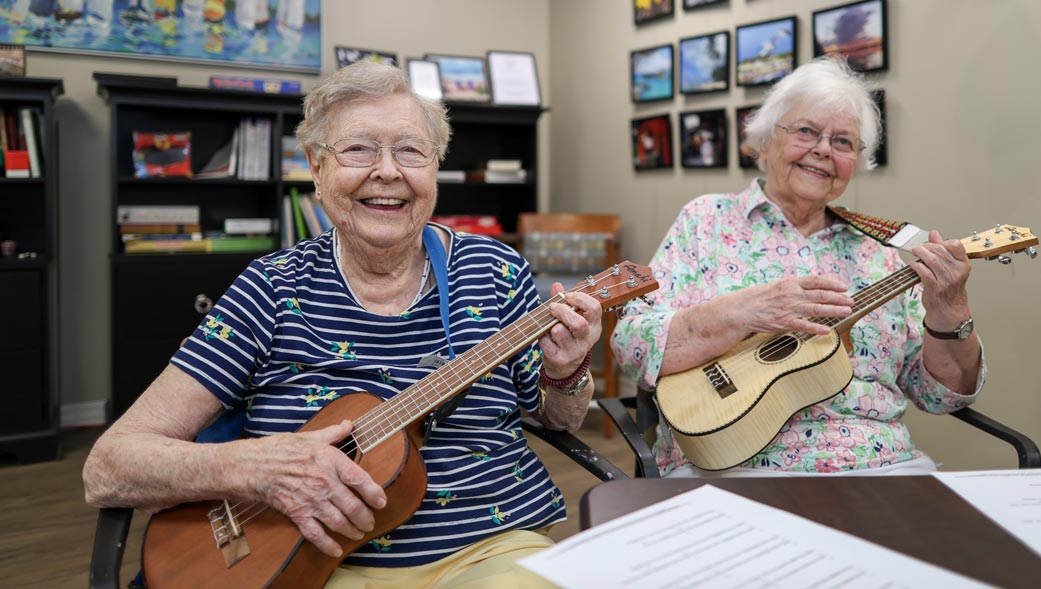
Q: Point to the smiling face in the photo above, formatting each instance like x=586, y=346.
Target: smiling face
x=386, y=204
x=803, y=178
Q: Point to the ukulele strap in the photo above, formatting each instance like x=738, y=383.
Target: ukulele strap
x=899, y=234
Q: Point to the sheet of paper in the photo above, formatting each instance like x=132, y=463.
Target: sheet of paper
x=1012, y=498
x=713, y=538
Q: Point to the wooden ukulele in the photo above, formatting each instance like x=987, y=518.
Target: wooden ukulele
x=222, y=544
x=726, y=411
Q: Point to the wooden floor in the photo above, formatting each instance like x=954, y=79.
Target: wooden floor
x=46, y=530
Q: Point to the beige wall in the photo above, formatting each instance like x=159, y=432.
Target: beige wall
x=962, y=95
x=963, y=123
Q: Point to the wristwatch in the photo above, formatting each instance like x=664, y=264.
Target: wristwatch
x=963, y=331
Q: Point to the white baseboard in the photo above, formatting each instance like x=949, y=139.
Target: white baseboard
x=89, y=413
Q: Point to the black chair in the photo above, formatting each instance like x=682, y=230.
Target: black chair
x=114, y=523
x=638, y=431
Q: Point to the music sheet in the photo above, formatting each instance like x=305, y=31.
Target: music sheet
x=709, y=537
x=1012, y=498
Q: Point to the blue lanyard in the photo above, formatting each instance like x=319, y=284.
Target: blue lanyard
x=439, y=262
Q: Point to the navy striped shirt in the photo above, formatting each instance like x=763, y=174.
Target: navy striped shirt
x=288, y=337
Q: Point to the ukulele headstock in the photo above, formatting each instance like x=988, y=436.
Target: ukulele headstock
x=619, y=283
x=992, y=243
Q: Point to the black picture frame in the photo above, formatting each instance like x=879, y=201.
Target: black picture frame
x=345, y=56
x=651, y=73
x=652, y=142
x=703, y=138
x=513, y=78
x=881, y=152
x=464, y=78
x=747, y=159
x=655, y=10
x=689, y=5
x=858, y=32
x=705, y=63
x=765, y=51
x=12, y=60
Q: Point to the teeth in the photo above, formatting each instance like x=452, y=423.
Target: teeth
x=817, y=170
x=384, y=201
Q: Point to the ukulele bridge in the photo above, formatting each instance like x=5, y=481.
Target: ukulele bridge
x=720, y=380
x=228, y=534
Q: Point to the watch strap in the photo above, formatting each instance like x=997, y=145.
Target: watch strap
x=959, y=332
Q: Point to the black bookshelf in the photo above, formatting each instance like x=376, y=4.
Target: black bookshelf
x=29, y=422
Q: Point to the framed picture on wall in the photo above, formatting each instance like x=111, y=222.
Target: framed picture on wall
x=746, y=156
x=881, y=153
x=463, y=78
x=345, y=56
x=651, y=73
x=703, y=139
x=652, y=142
x=425, y=78
x=705, y=63
x=692, y=4
x=765, y=51
x=855, y=31
x=648, y=10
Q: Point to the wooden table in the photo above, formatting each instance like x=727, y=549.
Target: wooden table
x=915, y=515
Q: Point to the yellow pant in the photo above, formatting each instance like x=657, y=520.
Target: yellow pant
x=488, y=564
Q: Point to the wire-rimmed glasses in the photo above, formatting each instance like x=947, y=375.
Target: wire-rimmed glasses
x=808, y=137
x=413, y=152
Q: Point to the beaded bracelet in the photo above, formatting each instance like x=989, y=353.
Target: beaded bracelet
x=566, y=383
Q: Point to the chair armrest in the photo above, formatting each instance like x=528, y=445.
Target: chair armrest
x=615, y=408
x=575, y=449
x=110, y=539
x=1029, y=456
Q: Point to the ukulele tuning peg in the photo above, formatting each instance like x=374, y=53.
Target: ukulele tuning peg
x=1002, y=259
x=1032, y=252
x=975, y=236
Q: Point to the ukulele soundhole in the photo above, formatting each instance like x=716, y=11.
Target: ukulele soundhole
x=777, y=349
x=350, y=448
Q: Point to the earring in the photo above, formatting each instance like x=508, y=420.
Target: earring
x=318, y=194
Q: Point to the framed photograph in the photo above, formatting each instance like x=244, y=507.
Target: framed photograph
x=765, y=51
x=648, y=10
x=652, y=142
x=705, y=63
x=463, y=78
x=345, y=56
x=514, y=79
x=881, y=153
x=12, y=60
x=746, y=156
x=651, y=73
x=855, y=31
x=703, y=139
x=262, y=34
x=692, y=4
x=425, y=78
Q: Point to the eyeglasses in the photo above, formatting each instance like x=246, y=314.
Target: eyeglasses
x=808, y=137
x=362, y=153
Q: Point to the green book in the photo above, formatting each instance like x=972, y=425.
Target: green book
x=298, y=216
x=242, y=244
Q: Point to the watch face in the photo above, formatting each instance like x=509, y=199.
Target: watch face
x=965, y=329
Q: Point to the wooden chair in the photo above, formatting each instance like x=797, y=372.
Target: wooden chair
x=567, y=247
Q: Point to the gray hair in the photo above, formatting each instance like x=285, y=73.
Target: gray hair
x=366, y=80
x=824, y=84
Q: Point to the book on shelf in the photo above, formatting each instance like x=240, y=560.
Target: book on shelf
x=285, y=224
x=505, y=176
x=294, y=161
x=159, y=228
x=451, y=176
x=298, y=215
x=205, y=245
x=248, y=226
x=247, y=84
x=238, y=243
x=253, y=153
x=221, y=164
x=194, y=235
x=16, y=163
x=314, y=228
x=162, y=154
x=152, y=214
x=503, y=165
x=29, y=129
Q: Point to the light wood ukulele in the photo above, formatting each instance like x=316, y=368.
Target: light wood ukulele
x=724, y=412
x=221, y=544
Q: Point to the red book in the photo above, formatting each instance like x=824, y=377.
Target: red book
x=16, y=163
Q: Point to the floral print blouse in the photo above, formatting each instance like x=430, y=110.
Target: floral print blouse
x=720, y=243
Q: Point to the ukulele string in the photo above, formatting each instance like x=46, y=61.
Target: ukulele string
x=377, y=419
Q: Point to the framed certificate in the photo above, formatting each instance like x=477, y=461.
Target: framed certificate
x=425, y=77
x=514, y=78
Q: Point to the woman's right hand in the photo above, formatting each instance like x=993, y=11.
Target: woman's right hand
x=787, y=304
x=314, y=483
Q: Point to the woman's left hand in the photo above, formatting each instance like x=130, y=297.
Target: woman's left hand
x=567, y=343
x=944, y=269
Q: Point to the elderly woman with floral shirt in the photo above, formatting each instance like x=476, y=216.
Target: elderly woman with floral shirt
x=770, y=258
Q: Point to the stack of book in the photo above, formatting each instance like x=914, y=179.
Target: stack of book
x=21, y=142
x=246, y=155
x=151, y=229
x=505, y=172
